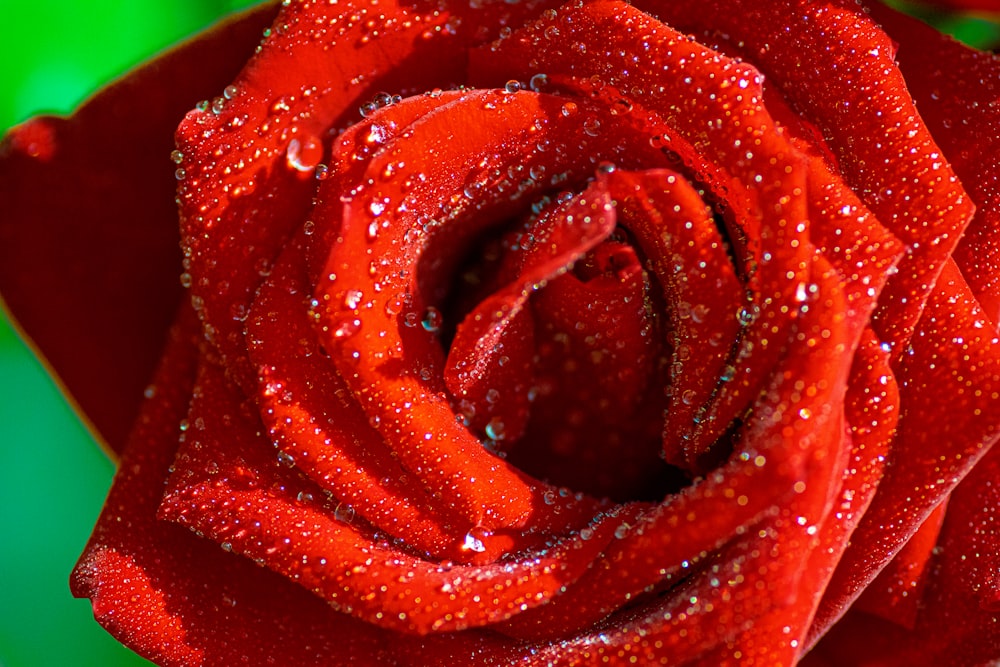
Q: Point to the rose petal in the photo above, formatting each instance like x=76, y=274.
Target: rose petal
x=957, y=622
x=253, y=151
x=228, y=488
x=768, y=527
x=901, y=176
x=895, y=593
x=474, y=369
x=182, y=601
x=956, y=88
x=950, y=388
x=314, y=422
x=88, y=240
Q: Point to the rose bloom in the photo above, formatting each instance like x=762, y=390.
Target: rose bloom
x=534, y=334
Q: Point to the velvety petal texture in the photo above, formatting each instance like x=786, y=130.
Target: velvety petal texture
x=536, y=333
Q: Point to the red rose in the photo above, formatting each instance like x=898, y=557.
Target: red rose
x=610, y=334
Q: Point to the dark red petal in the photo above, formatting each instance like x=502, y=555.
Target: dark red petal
x=736, y=549
x=88, y=234
x=957, y=621
x=687, y=254
x=870, y=408
x=896, y=593
x=475, y=372
x=313, y=420
x=600, y=378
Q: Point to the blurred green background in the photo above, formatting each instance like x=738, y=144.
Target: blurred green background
x=53, y=478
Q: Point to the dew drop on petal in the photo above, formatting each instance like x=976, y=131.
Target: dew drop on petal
x=432, y=319
x=303, y=154
x=344, y=513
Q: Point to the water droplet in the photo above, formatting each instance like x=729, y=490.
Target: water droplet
x=591, y=127
x=474, y=540
x=495, y=429
x=698, y=312
x=230, y=92
x=352, y=298
x=394, y=306
x=748, y=314
x=286, y=459
x=344, y=513
x=347, y=328
x=512, y=86
x=538, y=82
x=432, y=319
x=303, y=154
x=621, y=107
x=177, y=157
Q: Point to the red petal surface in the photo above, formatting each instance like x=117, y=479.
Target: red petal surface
x=393, y=361
x=88, y=235
x=251, y=153
x=227, y=486
x=957, y=623
x=950, y=388
x=179, y=600
x=837, y=71
x=956, y=89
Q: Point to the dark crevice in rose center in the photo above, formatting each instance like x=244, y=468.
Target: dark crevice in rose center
x=599, y=368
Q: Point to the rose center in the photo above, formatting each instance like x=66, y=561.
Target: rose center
x=576, y=392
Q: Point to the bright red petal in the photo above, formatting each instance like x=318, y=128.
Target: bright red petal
x=956, y=90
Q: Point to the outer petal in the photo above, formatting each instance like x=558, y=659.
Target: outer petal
x=181, y=601
x=957, y=623
x=88, y=233
x=950, y=393
x=956, y=90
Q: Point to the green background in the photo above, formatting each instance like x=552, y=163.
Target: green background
x=53, y=478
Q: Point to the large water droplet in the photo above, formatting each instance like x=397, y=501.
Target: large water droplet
x=304, y=154
x=432, y=319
